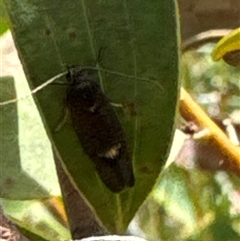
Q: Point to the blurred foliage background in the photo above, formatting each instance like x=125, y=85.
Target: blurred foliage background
x=215, y=85
x=192, y=200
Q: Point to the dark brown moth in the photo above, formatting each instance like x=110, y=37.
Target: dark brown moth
x=99, y=130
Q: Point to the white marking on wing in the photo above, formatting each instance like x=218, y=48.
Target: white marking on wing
x=113, y=152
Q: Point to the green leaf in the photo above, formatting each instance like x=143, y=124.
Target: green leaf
x=3, y=19
x=140, y=39
x=173, y=194
x=35, y=218
x=25, y=157
x=30, y=235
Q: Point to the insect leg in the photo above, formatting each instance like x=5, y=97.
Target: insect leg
x=63, y=121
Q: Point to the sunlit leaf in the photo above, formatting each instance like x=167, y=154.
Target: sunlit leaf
x=34, y=217
x=27, y=166
x=3, y=19
x=172, y=192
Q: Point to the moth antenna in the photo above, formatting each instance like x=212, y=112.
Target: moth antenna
x=48, y=82
x=122, y=75
x=59, y=83
x=131, y=77
x=40, y=87
x=116, y=73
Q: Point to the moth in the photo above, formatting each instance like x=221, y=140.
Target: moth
x=99, y=130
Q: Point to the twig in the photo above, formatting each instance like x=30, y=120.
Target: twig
x=202, y=38
x=191, y=111
x=55, y=206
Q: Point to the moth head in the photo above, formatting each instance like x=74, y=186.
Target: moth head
x=84, y=91
x=76, y=74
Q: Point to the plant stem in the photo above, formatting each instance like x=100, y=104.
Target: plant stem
x=191, y=111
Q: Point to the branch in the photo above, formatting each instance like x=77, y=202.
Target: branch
x=191, y=111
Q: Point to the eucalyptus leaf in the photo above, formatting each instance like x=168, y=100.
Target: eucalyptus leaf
x=35, y=219
x=25, y=156
x=3, y=19
x=140, y=42
x=172, y=192
x=30, y=235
